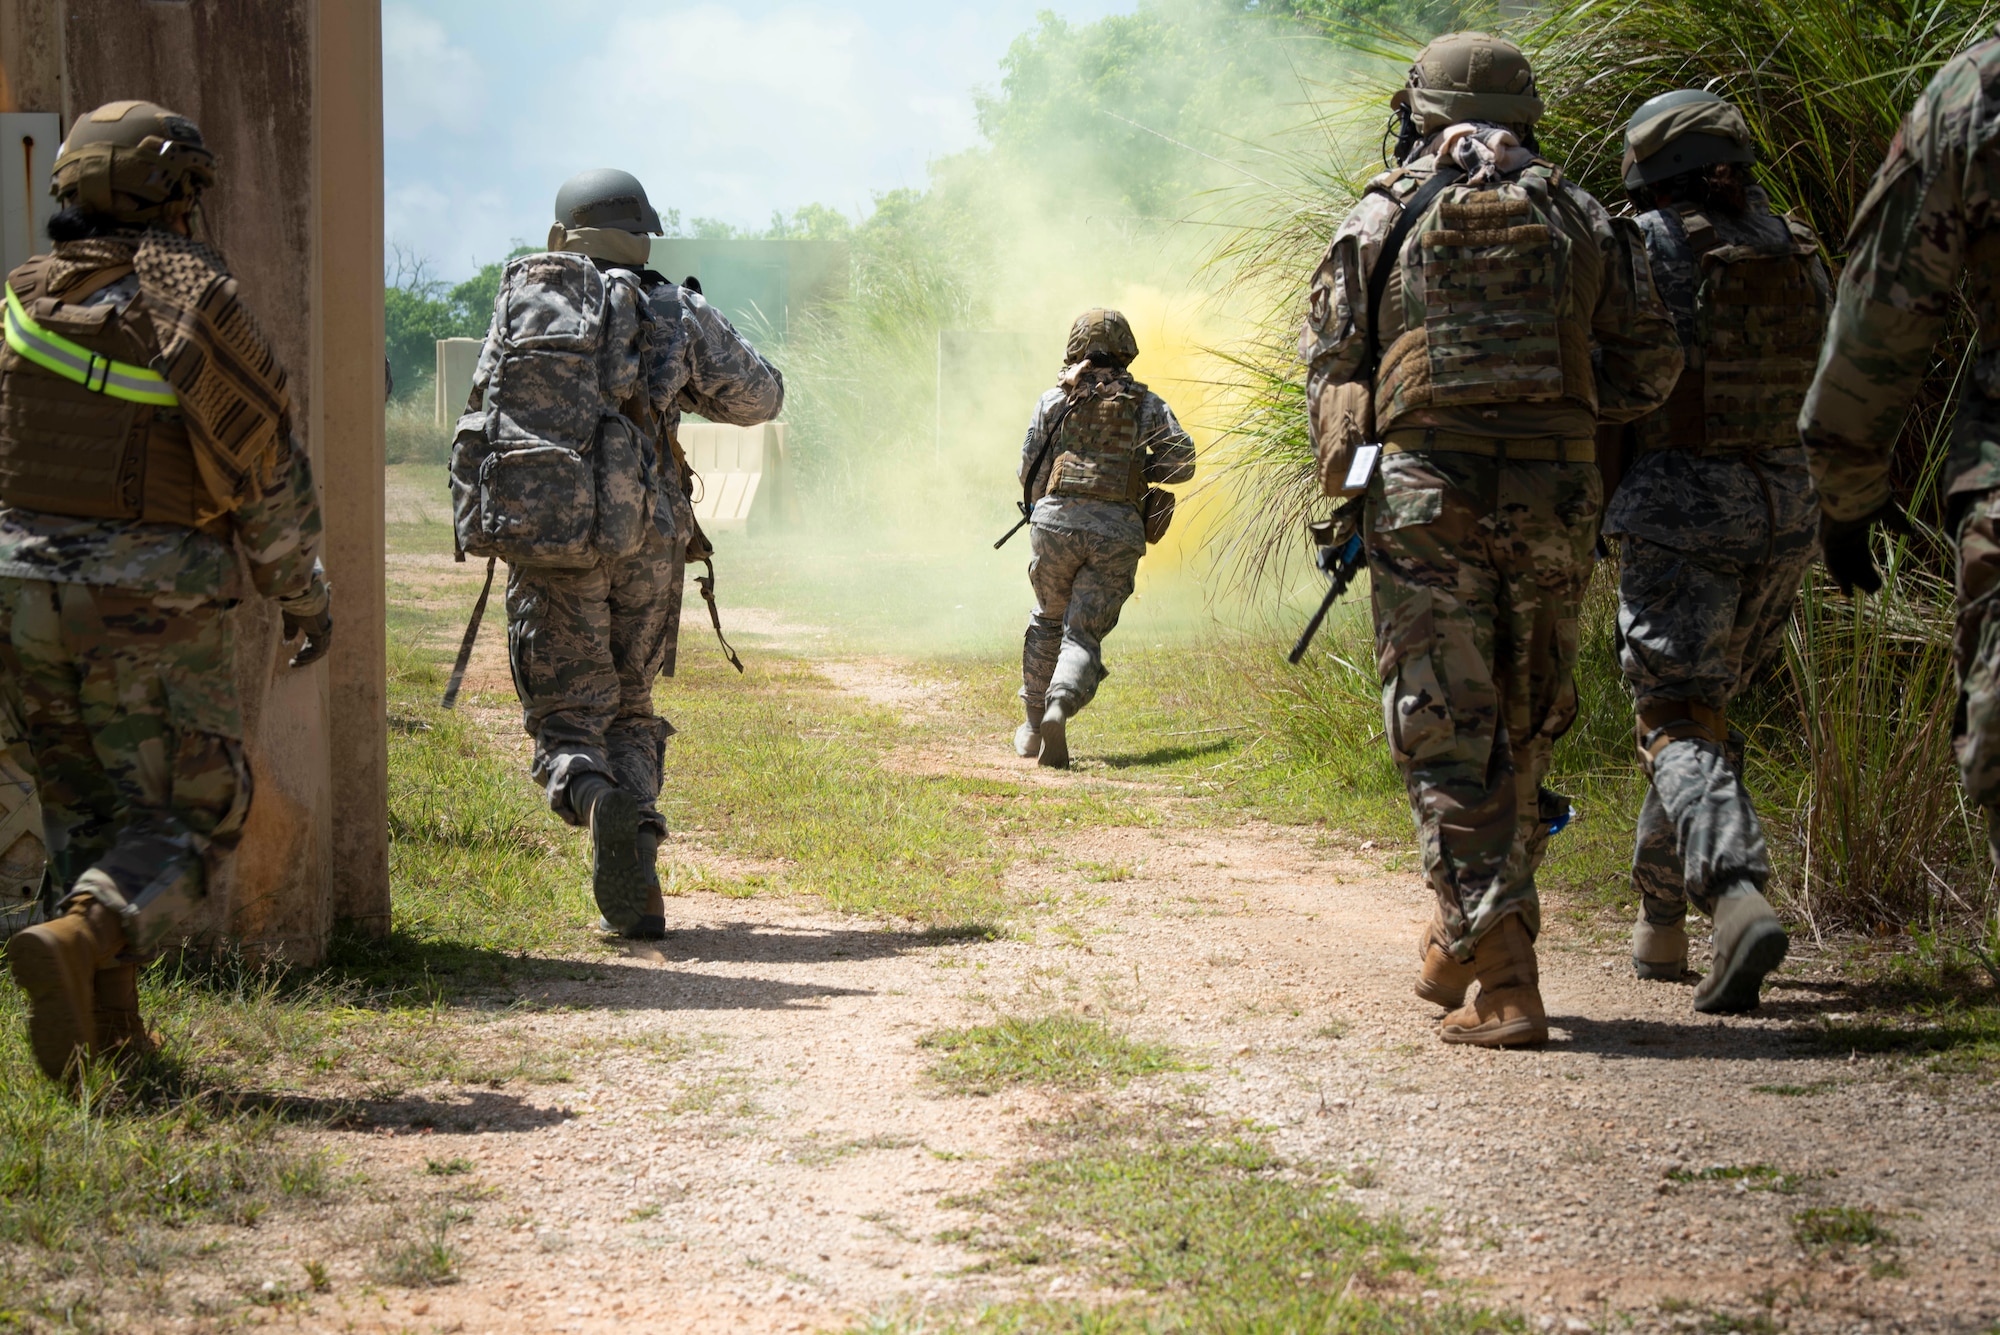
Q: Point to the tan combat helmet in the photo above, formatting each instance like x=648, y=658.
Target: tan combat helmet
x=1469, y=76
x=133, y=161
x=1103, y=332
x=1683, y=131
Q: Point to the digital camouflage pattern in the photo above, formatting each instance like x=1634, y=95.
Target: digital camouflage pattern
x=129, y=710
x=1928, y=224
x=1081, y=580
x=1476, y=570
x=1086, y=551
x=1715, y=544
x=1480, y=523
x=1607, y=301
x=586, y=646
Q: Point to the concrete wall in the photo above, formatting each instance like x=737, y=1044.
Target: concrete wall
x=288, y=94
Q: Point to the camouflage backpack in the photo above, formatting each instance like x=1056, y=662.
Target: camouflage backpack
x=1101, y=458
x=1495, y=302
x=1754, y=343
x=548, y=472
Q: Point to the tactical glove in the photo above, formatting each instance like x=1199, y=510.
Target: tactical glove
x=1847, y=546
x=317, y=630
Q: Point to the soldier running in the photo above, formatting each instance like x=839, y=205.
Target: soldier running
x=145, y=440
x=1514, y=315
x=1925, y=238
x=1717, y=522
x=1097, y=441
x=589, y=635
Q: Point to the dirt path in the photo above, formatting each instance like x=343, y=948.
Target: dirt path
x=752, y=1143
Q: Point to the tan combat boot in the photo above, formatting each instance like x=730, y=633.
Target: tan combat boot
x=56, y=963
x=1508, y=1010
x=1028, y=737
x=1055, y=734
x=121, y=1030
x=1659, y=951
x=1443, y=980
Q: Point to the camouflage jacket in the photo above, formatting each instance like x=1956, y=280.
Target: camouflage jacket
x=1716, y=504
x=1931, y=216
x=1169, y=459
x=1634, y=352
x=277, y=528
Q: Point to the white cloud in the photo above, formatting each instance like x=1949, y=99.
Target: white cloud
x=724, y=109
x=428, y=83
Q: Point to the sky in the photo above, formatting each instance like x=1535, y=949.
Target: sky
x=723, y=110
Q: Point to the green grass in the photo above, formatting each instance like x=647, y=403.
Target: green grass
x=1064, y=1049
x=1190, y=1235
x=1837, y=1226
x=1753, y=1177
x=418, y=1254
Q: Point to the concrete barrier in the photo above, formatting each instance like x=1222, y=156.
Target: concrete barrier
x=744, y=477
x=456, y=359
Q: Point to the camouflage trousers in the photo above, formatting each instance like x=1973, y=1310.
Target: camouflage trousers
x=1081, y=582
x=1976, y=646
x=1477, y=568
x=130, y=715
x=1694, y=625
x=586, y=647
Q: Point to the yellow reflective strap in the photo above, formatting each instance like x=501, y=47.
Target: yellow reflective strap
x=74, y=362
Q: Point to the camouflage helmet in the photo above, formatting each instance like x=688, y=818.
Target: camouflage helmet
x=1470, y=76
x=606, y=197
x=131, y=161
x=1102, y=332
x=1681, y=131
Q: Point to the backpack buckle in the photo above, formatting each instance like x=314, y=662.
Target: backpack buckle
x=98, y=374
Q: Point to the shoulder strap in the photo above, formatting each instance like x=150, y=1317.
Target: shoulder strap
x=1392, y=252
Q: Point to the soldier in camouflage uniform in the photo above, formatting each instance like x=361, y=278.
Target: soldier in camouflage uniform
x=1718, y=523
x=145, y=439
x=1926, y=228
x=1514, y=315
x=587, y=645
x=1097, y=441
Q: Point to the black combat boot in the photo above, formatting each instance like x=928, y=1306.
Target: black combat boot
x=618, y=880
x=652, y=924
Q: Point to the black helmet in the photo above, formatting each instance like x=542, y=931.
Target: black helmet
x=606, y=197
x=1680, y=132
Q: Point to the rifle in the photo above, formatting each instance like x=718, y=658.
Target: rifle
x=1339, y=561
x=1026, y=504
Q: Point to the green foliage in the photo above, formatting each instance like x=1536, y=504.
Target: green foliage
x=1062, y=1049
x=419, y=309
x=1193, y=1235
x=1834, y=1226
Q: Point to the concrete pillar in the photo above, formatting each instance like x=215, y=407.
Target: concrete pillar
x=288, y=94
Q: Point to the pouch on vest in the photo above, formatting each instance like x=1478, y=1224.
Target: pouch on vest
x=1157, y=510
x=1489, y=314
x=1101, y=459
x=1759, y=319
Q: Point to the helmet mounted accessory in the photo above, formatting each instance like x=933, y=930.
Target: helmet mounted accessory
x=135, y=162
